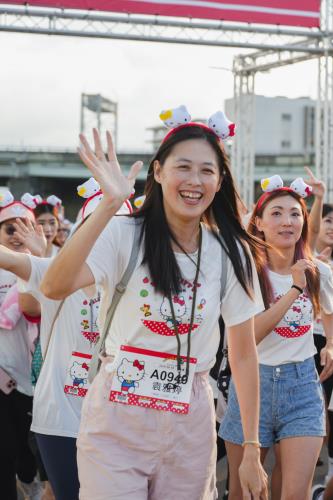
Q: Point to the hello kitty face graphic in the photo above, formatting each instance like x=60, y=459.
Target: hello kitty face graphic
x=129, y=374
x=298, y=319
x=179, y=309
x=159, y=319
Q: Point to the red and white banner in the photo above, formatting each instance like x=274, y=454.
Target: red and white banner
x=287, y=12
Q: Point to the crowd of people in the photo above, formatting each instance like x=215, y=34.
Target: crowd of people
x=149, y=339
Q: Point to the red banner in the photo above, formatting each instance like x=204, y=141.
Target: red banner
x=287, y=12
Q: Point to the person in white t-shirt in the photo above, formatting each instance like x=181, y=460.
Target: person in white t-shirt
x=148, y=422
x=69, y=333
x=17, y=335
x=295, y=288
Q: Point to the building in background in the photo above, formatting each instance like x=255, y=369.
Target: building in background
x=284, y=136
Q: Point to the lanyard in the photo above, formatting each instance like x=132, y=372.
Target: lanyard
x=195, y=283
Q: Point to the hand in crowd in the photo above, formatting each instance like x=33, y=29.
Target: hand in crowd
x=106, y=170
x=318, y=186
x=298, y=271
x=253, y=478
x=326, y=360
x=32, y=238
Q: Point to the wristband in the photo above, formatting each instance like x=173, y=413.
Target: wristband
x=253, y=443
x=297, y=288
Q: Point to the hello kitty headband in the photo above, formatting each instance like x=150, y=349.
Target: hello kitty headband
x=32, y=202
x=11, y=209
x=7, y=199
x=275, y=183
x=92, y=192
x=179, y=118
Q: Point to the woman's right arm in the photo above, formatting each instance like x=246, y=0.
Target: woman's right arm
x=68, y=272
x=266, y=321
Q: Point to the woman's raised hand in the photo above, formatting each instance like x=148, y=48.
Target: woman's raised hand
x=33, y=239
x=318, y=186
x=106, y=170
x=298, y=271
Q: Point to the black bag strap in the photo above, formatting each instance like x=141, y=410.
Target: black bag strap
x=224, y=268
x=118, y=293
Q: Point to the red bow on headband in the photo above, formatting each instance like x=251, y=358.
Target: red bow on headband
x=85, y=366
x=297, y=309
x=138, y=365
x=179, y=301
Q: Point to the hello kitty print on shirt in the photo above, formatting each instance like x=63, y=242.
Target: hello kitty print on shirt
x=77, y=383
x=298, y=319
x=159, y=321
x=79, y=374
x=89, y=314
x=129, y=373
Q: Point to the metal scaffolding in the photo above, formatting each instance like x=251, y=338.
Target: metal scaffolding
x=277, y=46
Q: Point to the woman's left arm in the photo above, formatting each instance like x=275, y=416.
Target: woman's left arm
x=318, y=191
x=244, y=367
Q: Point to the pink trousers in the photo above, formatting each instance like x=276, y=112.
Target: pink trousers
x=132, y=453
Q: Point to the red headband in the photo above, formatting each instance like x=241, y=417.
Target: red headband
x=190, y=124
x=266, y=195
x=88, y=200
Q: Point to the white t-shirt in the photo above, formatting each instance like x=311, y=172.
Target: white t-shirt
x=63, y=380
x=292, y=339
x=15, y=351
x=143, y=317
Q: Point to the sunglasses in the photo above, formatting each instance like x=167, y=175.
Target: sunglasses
x=63, y=230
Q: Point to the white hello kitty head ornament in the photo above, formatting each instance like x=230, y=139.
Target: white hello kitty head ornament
x=32, y=201
x=11, y=209
x=178, y=118
x=91, y=191
x=275, y=184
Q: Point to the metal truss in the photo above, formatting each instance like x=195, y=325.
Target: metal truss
x=277, y=46
x=324, y=109
x=157, y=29
x=243, y=155
x=245, y=68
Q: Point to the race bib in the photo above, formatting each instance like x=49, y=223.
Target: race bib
x=151, y=379
x=76, y=383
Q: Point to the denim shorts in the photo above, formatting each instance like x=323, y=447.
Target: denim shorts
x=291, y=404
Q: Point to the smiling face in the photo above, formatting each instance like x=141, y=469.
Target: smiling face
x=189, y=179
x=281, y=222
x=7, y=237
x=325, y=237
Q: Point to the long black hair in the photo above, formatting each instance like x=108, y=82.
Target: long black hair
x=46, y=208
x=222, y=217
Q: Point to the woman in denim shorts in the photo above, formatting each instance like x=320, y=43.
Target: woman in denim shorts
x=295, y=288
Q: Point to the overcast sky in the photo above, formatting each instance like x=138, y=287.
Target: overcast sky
x=42, y=78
